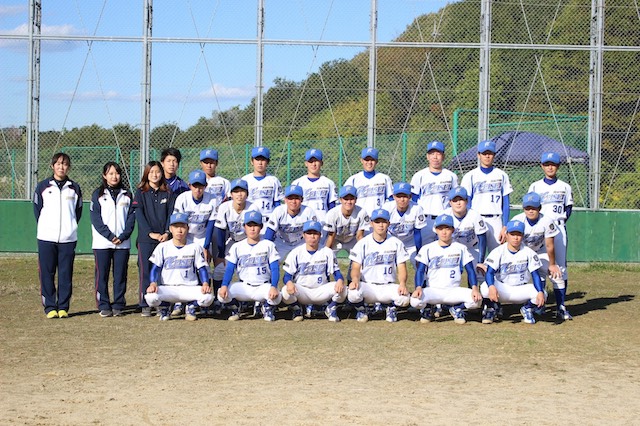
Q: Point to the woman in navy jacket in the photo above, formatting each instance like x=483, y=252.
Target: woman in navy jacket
x=153, y=205
x=57, y=205
x=112, y=222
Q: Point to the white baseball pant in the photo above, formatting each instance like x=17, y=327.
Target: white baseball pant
x=512, y=293
x=245, y=292
x=314, y=296
x=445, y=296
x=179, y=293
x=378, y=293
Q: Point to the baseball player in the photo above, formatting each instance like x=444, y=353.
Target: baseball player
x=57, y=206
x=431, y=187
x=285, y=224
x=183, y=270
x=257, y=262
x=488, y=188
x=444, y=260
x=345, y=223
x=557, y=204
x=378, y=262
x=374, y=188
x=170, y=159
x=406, y=219
x=510, y=269
x=319, y=192
x=265, y=190
x=306, y=272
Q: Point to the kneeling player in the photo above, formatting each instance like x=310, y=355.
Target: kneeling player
x=258, y=271
x=176, y=262
x=443, y=260
x=510, y=268
x=306, y=272
x=378, y=262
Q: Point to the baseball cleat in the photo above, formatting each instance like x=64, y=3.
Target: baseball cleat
x=527, y=315
x=392, y=314
x=362, y=316
x=106, y=313
x=190, y=313
x=437, y=312
x=146, y=312
x=164, y=314
x=296, y=313
x=563, y=314
x=267, y=312
x=458, y=315
x=539, y=310
x=234, y=315
x=308, y=311
x=488, y=315
x=52, y=314
x=257, y=308
x=63, y=314
x=177, y=310
x=332, y=313
x=426, y=315
x=117, y=312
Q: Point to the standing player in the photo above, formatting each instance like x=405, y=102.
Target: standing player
x=287, y=220
x=557, y=204
x=265, y=191
x=489, y=188
x=257, y=262
x=183, y=270
x=444, y=260
x=319, y=191
x=431, y=187
x=306, y=272
x=373, y=188
x=170, y=159
x=379, y=261
x=406, y=219
x=57, y=206
x=510, y=269
x=539, y=236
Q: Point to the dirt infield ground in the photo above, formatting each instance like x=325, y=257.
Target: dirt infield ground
x=132, y=370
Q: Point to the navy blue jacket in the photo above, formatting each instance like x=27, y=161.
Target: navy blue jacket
x=153, y=209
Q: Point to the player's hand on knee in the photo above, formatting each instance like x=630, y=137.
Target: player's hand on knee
x=291, y=287
x=540, y=299
x=417, y=293
x=354, y=285
x=223, y=292
x=153, y=288
x=493, y=293
x=206, y=288
x=475, y=294
x=402, y=290
x=554, y=271
x=273, y=293
x=339, y=286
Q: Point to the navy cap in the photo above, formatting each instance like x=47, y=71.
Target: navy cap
x=437, y=145
x=515, y=226
x=253, y=217
x=348, y=190
x=402, y=188
x=209, y=154
x=380, y=214
x=550, y=157
x=239, y=183
x=179, y=218
x=369, y=152
x=293, y=190
x=444, y=220
x=487, y=146
x=260, y=151
x=197, y=176
x=531, y=199
x=458, y=191
x=312, y=225
x=313, y=153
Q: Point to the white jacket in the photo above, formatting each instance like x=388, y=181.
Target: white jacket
x=57, y=211
x=116, y=218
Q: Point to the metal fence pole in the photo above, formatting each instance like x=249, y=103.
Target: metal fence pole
x=371, y=112
x=259, y=74
x=33, y=118
x=145, y=131
x=595, y=98
x=484, y=97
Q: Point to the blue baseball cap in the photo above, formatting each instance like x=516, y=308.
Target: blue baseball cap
x=550, y=157
x=208, y=154
x=179, y=218
x=260, y=151
x=197, y=176
x=444, y=220
x=369, y=152
x=313, y=153
x=531, y=199
x=253, y=217
x=515, y=226
x=487, y=146
x=239, y=183
x=437, y=145
x=458, y=191
x=380, y=214
x=312, y=225
x=402, y=188
x=348, y=190
x=294, y=190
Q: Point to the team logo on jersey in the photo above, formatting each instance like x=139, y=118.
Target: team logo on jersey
x=552, y=226
x=481, y=223
x=421, y=217
x=367, y=218
x=535, y=257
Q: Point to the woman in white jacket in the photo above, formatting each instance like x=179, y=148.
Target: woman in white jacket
x=112, y=222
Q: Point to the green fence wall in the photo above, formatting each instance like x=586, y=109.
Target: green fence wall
x=602, y=236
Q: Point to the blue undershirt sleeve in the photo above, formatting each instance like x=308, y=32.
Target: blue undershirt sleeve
x=417, y=238
x=537, y=282
x=568, y=210
x=276, y=204
x=482, y=247
x=270, y=234
x=221, y=235
x=490, y=276
x=275, y=273
x=419, y=277
x=471, y=274
x=287, y=277
x=414, y=197
x=155, y=273
x=338, y=275
x=203, y=274
x=209, y=234
x=228, y=274
x=505, y=210
x=331, y=205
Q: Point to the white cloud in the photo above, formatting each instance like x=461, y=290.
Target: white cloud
x=48, y=30
x=222, y=92
x=95, y=95
x=13, y=10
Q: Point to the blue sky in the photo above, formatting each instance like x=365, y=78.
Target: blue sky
x=82, y=86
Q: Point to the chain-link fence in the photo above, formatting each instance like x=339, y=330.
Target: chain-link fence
x=456, y=71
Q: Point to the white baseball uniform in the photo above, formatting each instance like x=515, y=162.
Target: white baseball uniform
x=432, y=190
x=219, y=188
x=486, y=192
x=288, y=228
x=254, y=271
x=345, y=228
x=378, y=274
x=264, y=193
x=372, y=192
x=179, y=276
x=467, y=230
x=318, y=193
x=200, y=214
x=310, y=272
x=402, y=225
x=444, y=267
x=232, y=222
x=513, y=274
